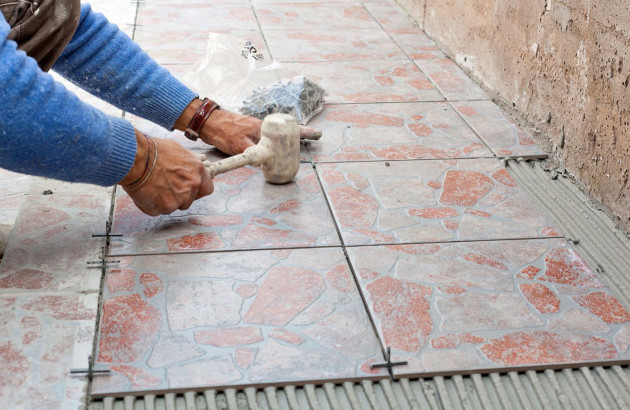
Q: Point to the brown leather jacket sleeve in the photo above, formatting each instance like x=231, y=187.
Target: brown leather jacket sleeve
x=42, y=28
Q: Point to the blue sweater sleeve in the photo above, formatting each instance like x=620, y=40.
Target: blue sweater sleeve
x=105, y=62
x=46, y=130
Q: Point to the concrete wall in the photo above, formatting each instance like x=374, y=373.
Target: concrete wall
x=563, y=66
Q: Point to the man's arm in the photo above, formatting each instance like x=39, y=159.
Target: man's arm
x=105, y=62
x=46, y=130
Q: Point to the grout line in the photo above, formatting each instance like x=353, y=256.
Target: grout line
x=261, y=31
x=450, y=104
x=402, y=160
x=350, y=266
x=109, y=225
x=523, y=238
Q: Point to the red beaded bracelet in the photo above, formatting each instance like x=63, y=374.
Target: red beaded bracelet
x=206, y=108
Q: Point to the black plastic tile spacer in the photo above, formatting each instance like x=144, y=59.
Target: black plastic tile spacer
x=388, y=364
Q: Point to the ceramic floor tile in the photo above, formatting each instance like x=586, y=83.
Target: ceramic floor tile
x=42, y=337
x=427, y=201
x=244, y=212
x=366, y=132
x=119, y=12
x=369, y=81
x=416, y=45
x=449, y=78
x=166, y=46
x=234, y=318
x=165, y=17
x=9, y=208
x=395, y=20
x=314, y=16
x=12, y=183
x=47, y=186
x=51, y=243
x=449, y=308
x=332, y=45
x=500, y=132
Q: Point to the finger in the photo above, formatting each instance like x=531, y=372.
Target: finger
x=207, y=186
x=309, y=133
x=202, y=157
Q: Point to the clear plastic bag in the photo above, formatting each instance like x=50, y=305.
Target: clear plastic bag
x=240, y=78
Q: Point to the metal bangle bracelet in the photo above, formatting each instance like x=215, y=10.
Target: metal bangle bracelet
x=150, y=171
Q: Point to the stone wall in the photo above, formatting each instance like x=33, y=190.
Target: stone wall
x=561, y=66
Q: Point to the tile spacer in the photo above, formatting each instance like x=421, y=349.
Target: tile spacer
x=108, y=234
x=388, y=364
x=101, y=262
x=90, y=371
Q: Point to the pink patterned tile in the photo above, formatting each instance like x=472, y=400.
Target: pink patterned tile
x=314, y=16
x=500, y=132
x=497, y=317
x=161, y=17
x=332, y=45
x=428, y=201
x=244, y=212
x=395, y=20
x=369, y=81
x=166, y=46
x=229, y=318
x=41, y=339
x=365, y=132
x=51, y=243
x=449, y=78
x=416, y=45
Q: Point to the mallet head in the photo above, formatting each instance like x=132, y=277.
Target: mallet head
x=280, y=135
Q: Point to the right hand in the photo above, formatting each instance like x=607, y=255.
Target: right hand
x=177, y=180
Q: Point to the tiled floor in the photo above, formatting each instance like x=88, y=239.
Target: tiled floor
x=402, y=229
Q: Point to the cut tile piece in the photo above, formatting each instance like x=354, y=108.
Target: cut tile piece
x=51, y=243
x=161, y=17
x=202, y=332
x=244, y=212
x=449, y=78
x=314, y=16
x=428, y=201
x=365, y=132
x=497, y=317
x=369, y=81
x=332, y=45
x=41, y=339
x=500, y=132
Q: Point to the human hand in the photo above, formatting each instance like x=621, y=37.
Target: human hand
x=173, y=180
x=231, y=132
